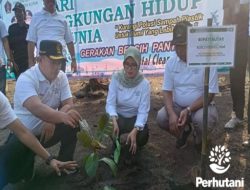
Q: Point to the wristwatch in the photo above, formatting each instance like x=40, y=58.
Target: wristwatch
x=48, y=160
x=139, y=128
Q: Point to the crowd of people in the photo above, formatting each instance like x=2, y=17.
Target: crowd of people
x=44, y=114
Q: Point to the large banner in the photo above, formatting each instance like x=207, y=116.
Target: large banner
x=7, y=14
x=103, y=30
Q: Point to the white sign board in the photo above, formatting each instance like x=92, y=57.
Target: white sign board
x=102, y=29
x=211, y=46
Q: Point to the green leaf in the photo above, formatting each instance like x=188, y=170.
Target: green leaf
x=111, y=164
x=117, y=151
x=99, y=135
x=108, y=129
x=103, y=122
x=91, y=164
x=84, y=138
x=117, y=143
x=85, y=159
x=105, y=128
x=116, y=156
x=96, y=145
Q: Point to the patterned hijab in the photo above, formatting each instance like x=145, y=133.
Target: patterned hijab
x=121, y=75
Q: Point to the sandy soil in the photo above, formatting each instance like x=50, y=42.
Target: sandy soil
x=161, y=166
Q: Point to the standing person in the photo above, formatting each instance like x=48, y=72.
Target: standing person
x=43, y=103
x=248, y=110
x=46, y=25
x=128, y=103
x=183, y=94
x=237, y=12
x=247, y=142
x=4, y=46
x=8, y=172
x=17, y=40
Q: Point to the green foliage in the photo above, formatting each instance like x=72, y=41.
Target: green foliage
x=103, y=121
x=105, y=128
x=85, y=139
x=111, y=164
x=94, y=143
x=91, y=164
x=117, y=151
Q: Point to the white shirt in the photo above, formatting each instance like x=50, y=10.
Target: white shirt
x=3, y=33
x=7, y=115
x=33, y=83
x=47, y=26
x=249, y=20
x=244, y=1
x=129, y=102
x=187, y=83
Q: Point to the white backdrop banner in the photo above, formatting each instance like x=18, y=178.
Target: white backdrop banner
x=103, y=30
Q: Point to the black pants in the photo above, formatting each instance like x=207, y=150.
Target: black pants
x=126, y=125
x=248, y=110
x=238, y=73
x=67, y=137
x=22, y=64
x=2, y=78
x=17, y=160
x=237, y=80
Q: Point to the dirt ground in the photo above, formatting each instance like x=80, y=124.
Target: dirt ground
x=161, y=166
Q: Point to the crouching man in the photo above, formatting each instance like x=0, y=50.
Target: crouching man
x=43, y=102
x=183, y=94
x=7, y=172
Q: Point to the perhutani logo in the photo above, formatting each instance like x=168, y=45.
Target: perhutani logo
x=219, y=163
x=219, y=158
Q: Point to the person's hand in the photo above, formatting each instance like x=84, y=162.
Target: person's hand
x=183, y=118
x=132, y=140
x=16, y=68
x=9, y=63
x=66, y=108
x=58, y=166
x=116, y=131
x=47, y=132
x=74, y=115
x=71, y=118
x=73, y=66
x=173, y=127
x=115, y=128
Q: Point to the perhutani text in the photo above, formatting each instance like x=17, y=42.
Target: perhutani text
x=219, y=183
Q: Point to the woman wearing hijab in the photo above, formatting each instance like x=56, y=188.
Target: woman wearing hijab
x=128, y=102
